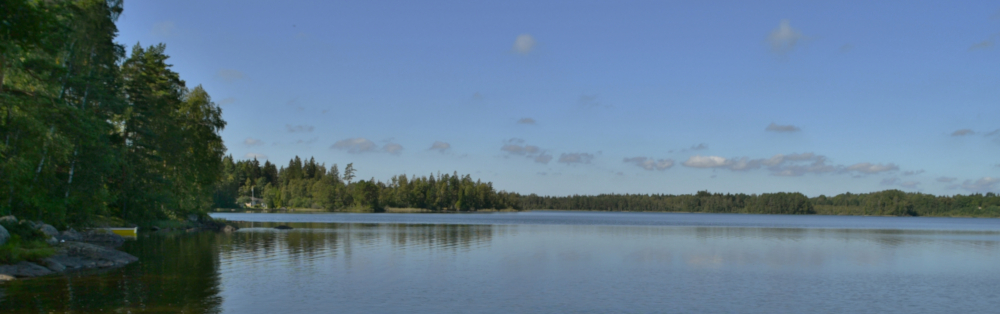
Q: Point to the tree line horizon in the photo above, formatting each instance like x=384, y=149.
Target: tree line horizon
x=308, y=184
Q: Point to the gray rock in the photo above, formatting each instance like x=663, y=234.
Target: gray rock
x=53, y=265
x=4, y=235
x=8, y=219
x=48, y=230
x=102, y=238
x=5, y=277
x=99, y=255
x=69, y=235
x=24, y=269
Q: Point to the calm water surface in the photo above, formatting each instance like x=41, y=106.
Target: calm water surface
x=544, y=262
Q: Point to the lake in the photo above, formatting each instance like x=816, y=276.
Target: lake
x=544, y=262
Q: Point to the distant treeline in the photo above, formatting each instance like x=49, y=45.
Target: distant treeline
x=884, y=203
x=307, y=184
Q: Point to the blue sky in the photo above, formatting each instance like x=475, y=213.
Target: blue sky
x=589, y=97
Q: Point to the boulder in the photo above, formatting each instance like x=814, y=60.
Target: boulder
x=48, y=230
x=69, y=235
x=24, y=269
x=4, y=235
x=8, y=219
x=103, y=238
x=5, y=277
x=53, y=265
x=228, y=229
x=84, y=254
x=283, y=227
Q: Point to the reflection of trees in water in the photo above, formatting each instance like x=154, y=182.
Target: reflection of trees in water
x=883, y=237
x=175, y=273
x=315, y=240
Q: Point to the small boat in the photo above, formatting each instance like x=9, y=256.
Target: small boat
x=125, y=232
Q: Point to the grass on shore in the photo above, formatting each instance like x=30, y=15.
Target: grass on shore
x=24, y=244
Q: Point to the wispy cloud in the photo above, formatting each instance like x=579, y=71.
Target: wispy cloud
x=985, y=44
x=912, y=172
x=784, y=38
x=516, y=146
x=252, y=142
x=526, y=121
x=227, y=101
x=360, y=145
x=963, y=132
x=255, y=155
x=790, y=165
x=575, y=158
x=440, y=146
x=870, y=168
x=588, y=101
x=946, y=179
x=230, y=75
x=650, y=163
x=524, y=44
x=299, y=128
x=393, y=148
x=984, y=184
x=774, y=127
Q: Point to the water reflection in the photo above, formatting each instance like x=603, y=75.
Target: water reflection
x=534, y=268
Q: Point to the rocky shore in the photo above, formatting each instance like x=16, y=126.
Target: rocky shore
x=75, y=251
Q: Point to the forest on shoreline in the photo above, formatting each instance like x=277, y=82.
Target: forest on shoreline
x=308, y=184
x=92, y=132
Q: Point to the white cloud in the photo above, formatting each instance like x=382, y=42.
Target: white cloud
x=963, y=132
x=355, y=145
x=164, y=29
x=870, y=168
x=255, y=155
x=984, y=184
x=700, y=161
x=513, y=146
x=440, y=146
x=909, y=184
x=774, y=127
x=791, y=165
x=230, y=75
x=252, y=142
x=784, y=38
x=299, y=128
x=524, y=43
x=575, y=158
x=650, y=163
x=526, y=121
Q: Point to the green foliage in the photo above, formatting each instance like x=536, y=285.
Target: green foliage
x=884, y=203
x=307, y=184
x=86, y=131
x=25, y=243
